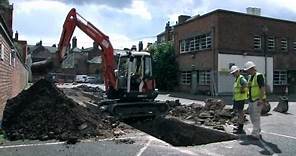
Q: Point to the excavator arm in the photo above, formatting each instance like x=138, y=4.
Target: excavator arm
x=121, y=103
x=73, y=19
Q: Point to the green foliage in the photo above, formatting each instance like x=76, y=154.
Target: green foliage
x=4, y=2
x=165, y=67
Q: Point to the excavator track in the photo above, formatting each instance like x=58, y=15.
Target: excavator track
x=136, y=109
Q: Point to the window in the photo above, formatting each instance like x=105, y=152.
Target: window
x=196, y=43
x=186, y=78
x=10, y=58
x=284, y=45
x=294, y=45
x=204, y=77
x=209, y=40
x=1, y=51
x=182, y=46
x=280, y=77
x=257, y=42
x=13, y=53
x=270, y=43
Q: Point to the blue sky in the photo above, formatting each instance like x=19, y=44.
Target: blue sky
x=125, y=21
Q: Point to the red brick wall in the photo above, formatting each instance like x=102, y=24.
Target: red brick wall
x=13, y=78
x=201, y=60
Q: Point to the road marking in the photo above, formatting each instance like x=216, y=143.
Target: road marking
x=174, y=148
x=145, y=147
x=264, y=144
x=282, y=135
x=63, y=142
x=31, y=145
x=277, y=134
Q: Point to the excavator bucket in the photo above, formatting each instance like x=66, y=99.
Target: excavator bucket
x=124, y=110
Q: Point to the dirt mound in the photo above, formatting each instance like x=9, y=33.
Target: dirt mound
x=43, y=112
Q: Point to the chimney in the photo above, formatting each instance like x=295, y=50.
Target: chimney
x=253, y=11
x=74, y=42
x=140, y=46
x=149, y=44
x=16, y=36
x=134, y=47
x=183, y=18
x=167, y=26
x=95, y=45
x=6, y=11
x=39, y=43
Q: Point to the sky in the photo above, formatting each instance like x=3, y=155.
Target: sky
x=126, y=22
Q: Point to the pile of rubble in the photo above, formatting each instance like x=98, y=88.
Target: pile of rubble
x=89, y=88
x=212, y=114
x=44, y=112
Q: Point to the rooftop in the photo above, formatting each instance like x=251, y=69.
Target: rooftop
x=235, y=13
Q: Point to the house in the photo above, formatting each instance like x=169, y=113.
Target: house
x=78, y=61
x=13, y=68
x=208, y=45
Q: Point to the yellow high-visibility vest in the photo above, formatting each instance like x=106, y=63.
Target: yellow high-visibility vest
x=237, y=94
x=255, y=89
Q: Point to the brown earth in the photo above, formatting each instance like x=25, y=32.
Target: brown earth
x=44, y=112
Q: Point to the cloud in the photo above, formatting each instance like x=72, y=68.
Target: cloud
x=111, y=3
x=125, y=21
x=138, y=8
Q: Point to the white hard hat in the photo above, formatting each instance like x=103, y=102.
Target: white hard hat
x=249, y=65
x=233, y=69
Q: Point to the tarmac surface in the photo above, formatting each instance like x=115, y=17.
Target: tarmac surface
x=278, y=132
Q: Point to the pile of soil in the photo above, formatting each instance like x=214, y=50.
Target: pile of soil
x=212, y=114
x=43, y=112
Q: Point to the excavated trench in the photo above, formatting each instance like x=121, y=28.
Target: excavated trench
x=179, y=133
x=44, y=112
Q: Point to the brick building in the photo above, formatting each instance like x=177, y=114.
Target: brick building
x=208, y=45
x=13, y=70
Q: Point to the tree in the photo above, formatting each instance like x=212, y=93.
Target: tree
x=165, y=67
x=4, y=2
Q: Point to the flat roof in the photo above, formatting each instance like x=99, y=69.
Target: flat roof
x=235, y=13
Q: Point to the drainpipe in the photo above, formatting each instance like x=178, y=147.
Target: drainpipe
x=214, y=71
x=265, y=29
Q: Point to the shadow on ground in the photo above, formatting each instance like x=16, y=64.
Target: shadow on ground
x=268, y=148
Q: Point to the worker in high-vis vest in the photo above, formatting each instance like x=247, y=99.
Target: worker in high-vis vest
x=257, y=97
x=240, y=95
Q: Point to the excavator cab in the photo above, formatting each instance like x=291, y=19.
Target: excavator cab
x=135, y=88
x=134, y=76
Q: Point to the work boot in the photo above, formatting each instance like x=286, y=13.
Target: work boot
x=239, y=129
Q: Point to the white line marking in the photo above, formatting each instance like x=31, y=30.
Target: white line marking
x=175, y=148
x=282, y=135
x=31, y=145
x=145, y=147
x=277, y=134
x=264, y=144
x=59, y=143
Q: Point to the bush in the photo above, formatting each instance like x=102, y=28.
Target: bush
x=165, y=67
